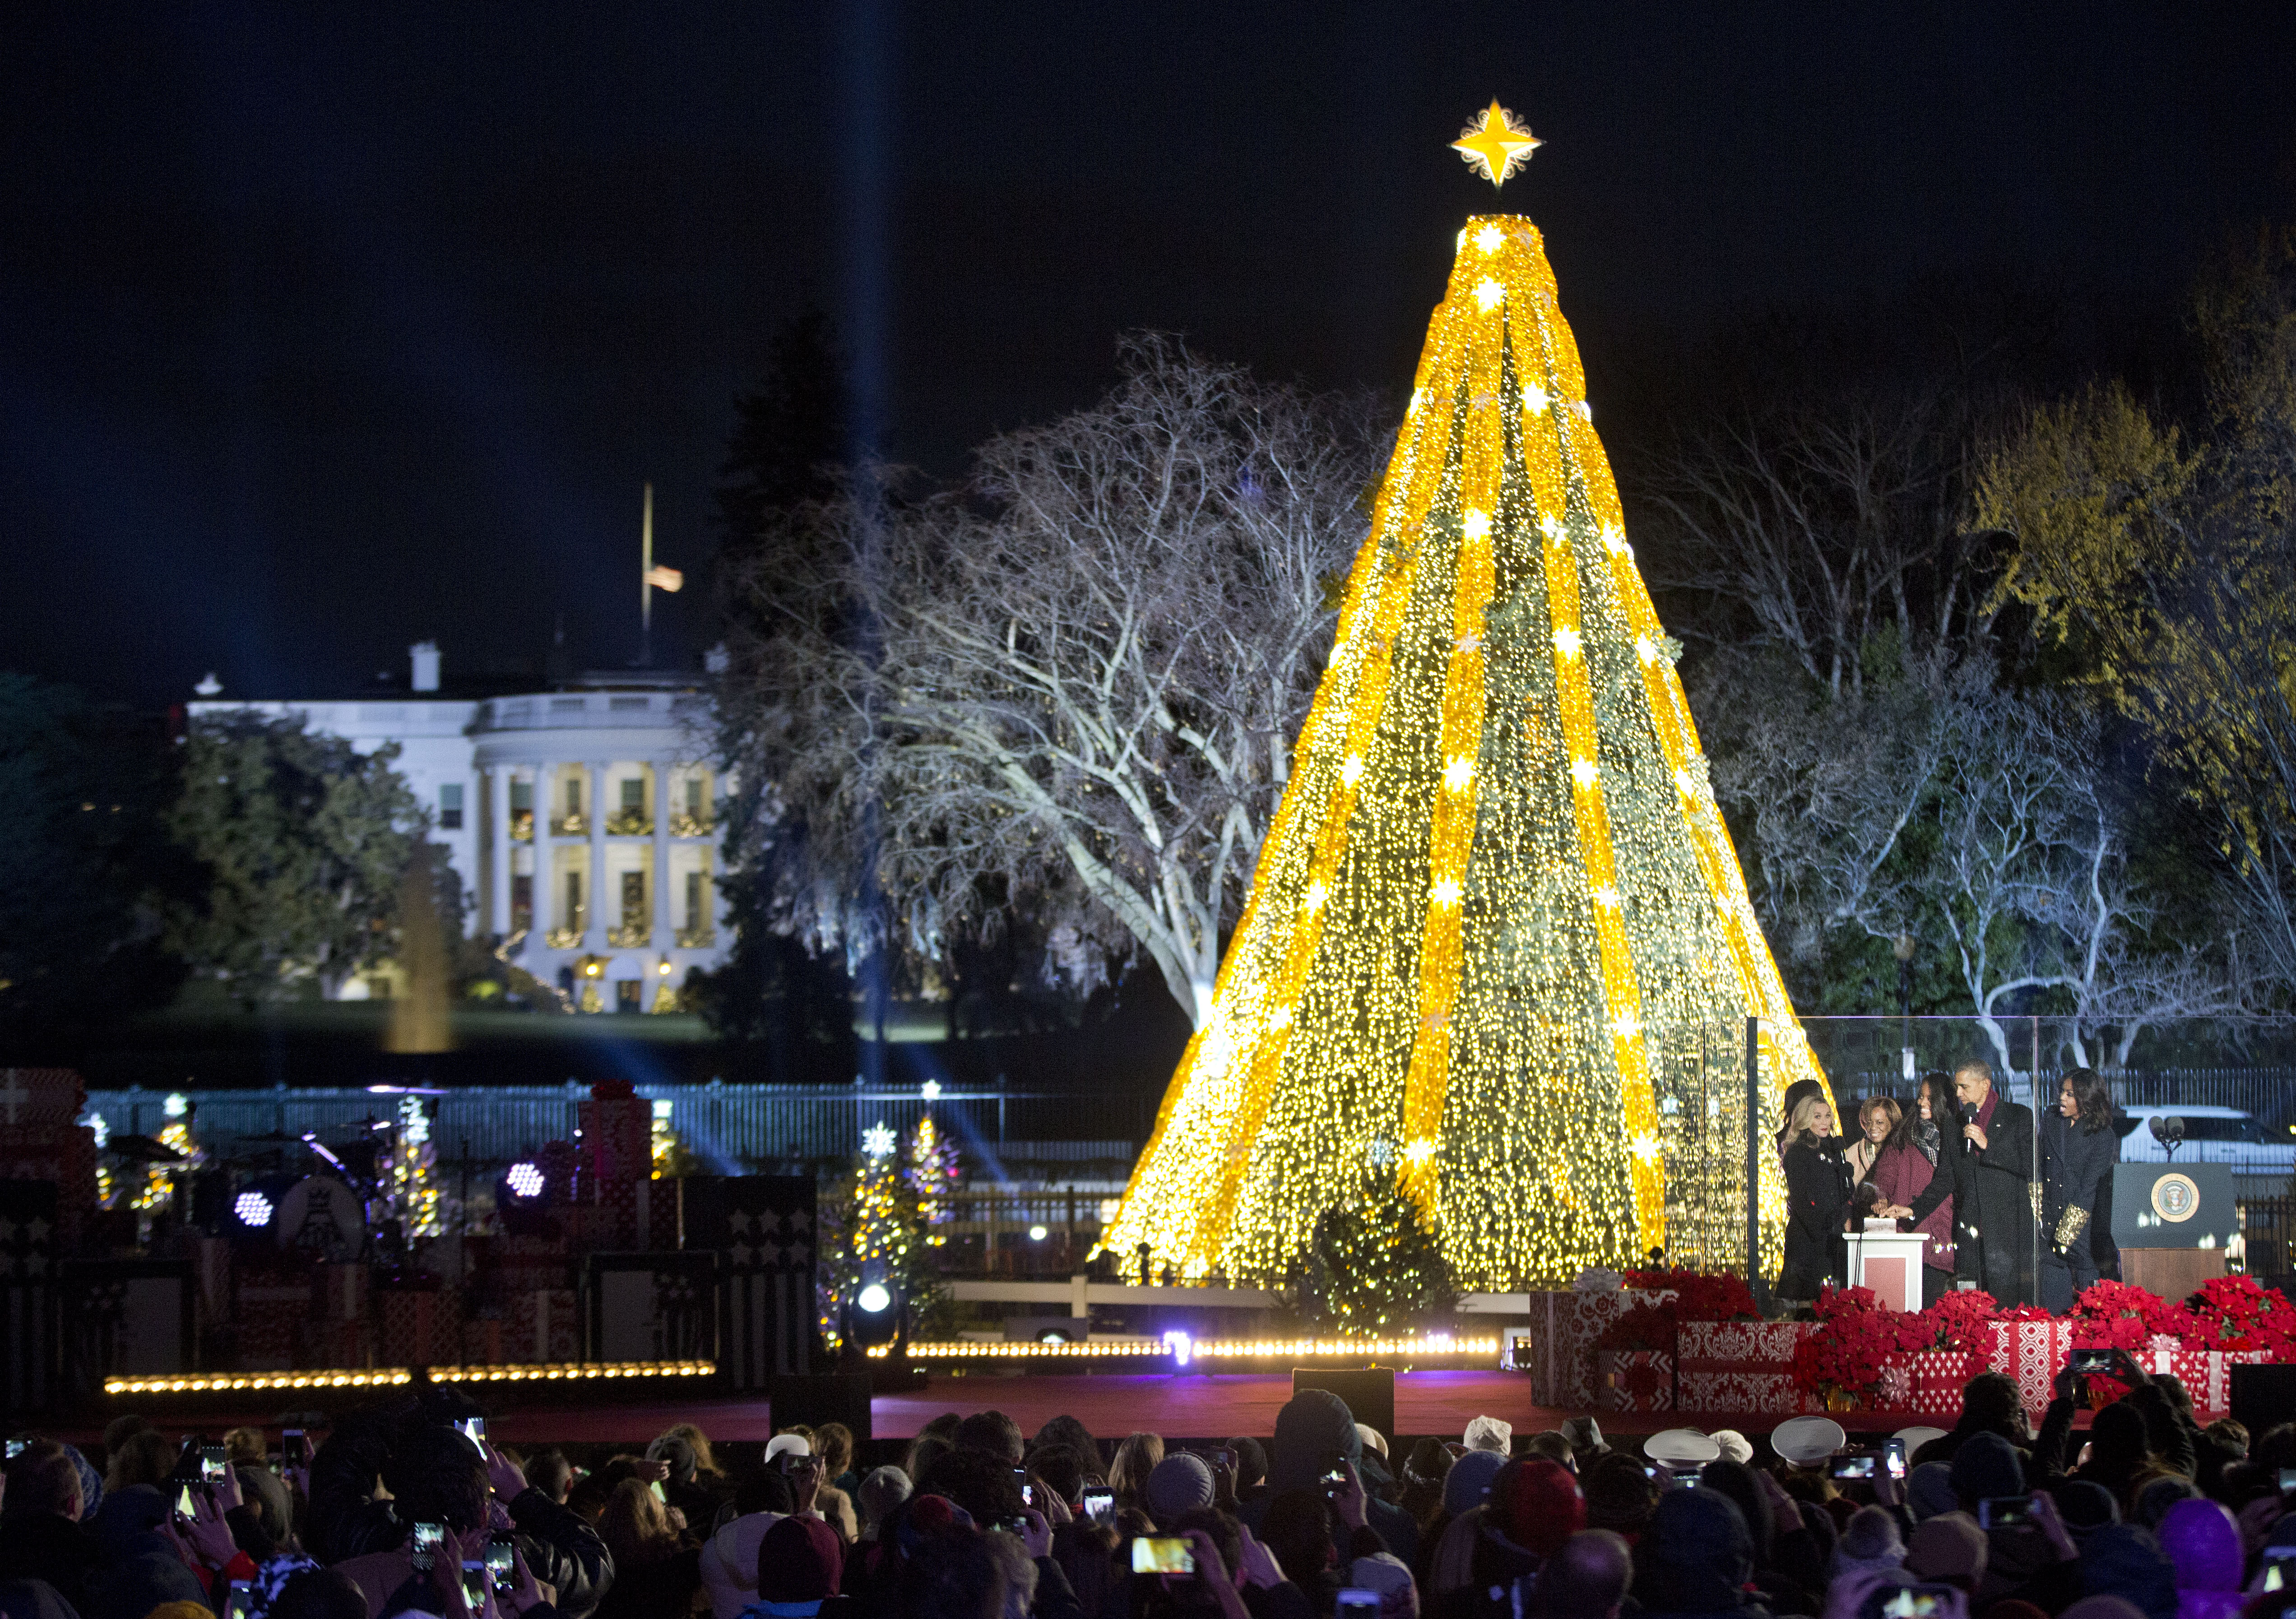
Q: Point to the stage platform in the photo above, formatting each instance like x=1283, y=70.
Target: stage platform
x=1179, y=1406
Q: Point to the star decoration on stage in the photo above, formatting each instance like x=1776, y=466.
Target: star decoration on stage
x=1494, y=144
x=877, y=1141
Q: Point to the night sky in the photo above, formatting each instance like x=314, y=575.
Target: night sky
x=325, y=329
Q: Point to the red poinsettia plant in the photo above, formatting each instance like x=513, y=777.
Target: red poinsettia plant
x=2114, y=1315
x=1699, y=1297
x=1856, y=1337
x=1955, y=1325
x=2238, y=1312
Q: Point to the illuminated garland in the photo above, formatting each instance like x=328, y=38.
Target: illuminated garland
x=1499, y=939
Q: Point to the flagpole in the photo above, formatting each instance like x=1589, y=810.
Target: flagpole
x=645, y=583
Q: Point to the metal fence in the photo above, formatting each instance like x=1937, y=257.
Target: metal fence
x=731, y=1128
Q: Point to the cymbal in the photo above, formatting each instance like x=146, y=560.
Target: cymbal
x=271, y=1135
x=143, y=1148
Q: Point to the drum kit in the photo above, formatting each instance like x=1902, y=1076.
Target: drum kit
x=329, y=1209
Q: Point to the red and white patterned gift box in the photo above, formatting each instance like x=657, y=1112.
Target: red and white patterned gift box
x=1564, y=1328
x=1935, y=1378
x=1636, y=1379
x=1733, y=1392
x=2031, y=1354
x=1734, y=1344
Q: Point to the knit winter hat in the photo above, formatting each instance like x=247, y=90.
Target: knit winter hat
x=1180, y=1482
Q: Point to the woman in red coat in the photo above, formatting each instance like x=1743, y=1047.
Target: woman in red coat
x=1902, y=1173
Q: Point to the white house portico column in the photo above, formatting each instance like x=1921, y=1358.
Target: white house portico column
x=594, y=936
x=502, y=852
x=546, y=783
x=665, y=931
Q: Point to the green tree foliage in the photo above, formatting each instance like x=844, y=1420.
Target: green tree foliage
x=84, y=868
x=1377, y=1266
x=2162, y=564
x=305, y=843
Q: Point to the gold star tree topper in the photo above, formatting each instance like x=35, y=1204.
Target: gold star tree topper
x=1496, y=144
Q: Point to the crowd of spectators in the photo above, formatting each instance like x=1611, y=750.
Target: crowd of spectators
x=408, y=1510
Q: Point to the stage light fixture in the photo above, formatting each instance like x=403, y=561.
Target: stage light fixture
x=1052, y=1335
x=875, y=1299
x=526, y=1180
x=252, y=1210
x=1037, y=1233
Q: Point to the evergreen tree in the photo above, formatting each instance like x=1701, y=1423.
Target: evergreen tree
x=1378, y=1267
x=305, y=842
x=84, y=868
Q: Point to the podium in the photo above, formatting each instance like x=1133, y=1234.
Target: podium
x=1890, y=1262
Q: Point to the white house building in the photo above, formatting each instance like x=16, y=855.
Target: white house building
x=581, y=818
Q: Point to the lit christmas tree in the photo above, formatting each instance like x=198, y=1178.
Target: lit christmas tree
x=415, y=1193
x=870, y=1233
x=935, y=1170
x=1498, y=937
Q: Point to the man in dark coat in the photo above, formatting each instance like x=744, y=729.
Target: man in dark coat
x=1315, y=1431
x=1989, y=1180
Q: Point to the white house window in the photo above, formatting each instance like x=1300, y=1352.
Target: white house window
x=450, y=808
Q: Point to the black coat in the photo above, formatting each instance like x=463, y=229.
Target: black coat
x=1992, y=1203
x=2074, y=1165
x=1818, y=1201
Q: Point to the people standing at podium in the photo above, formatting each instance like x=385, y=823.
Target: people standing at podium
x=1818, y=1201
x=1904, y=1169
x=2078, y=1149
x=1990, y=1181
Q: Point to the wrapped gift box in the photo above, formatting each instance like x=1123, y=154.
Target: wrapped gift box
x=1733, y=1392
x=2031, y=1354
x=1564, y=1329
x=539, y=1326
x=1935, y=1379
x=270, y=1318
x=1636, y=1379
x=1725, y=1345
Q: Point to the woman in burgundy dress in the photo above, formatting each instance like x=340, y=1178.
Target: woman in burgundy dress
x=1902, y=1172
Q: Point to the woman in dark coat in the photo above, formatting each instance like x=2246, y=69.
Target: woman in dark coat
x=1818, y=1202
x=2078, y=1149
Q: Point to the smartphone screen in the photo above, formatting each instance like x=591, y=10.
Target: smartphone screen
x=1163, y=1554
x=1854, y=1467
x=1225, y=1458
x=2287, y=1480
x=474, y=1585
x=2279, y=1570
x=659, y=1493
x=184, y=1501
x=292, y=1452
x=2089, y=1362
x=215, y=1461
x=427, y=1538
x=498, y=1563
x=1905, y=1602
x=1355, y=1604
x=235, y=1606
x=1893, y=1453
x=474, y=1430
x=2001, y=1511
x=16, y=1448
x=1027, y=1495
x=1099, y=1505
